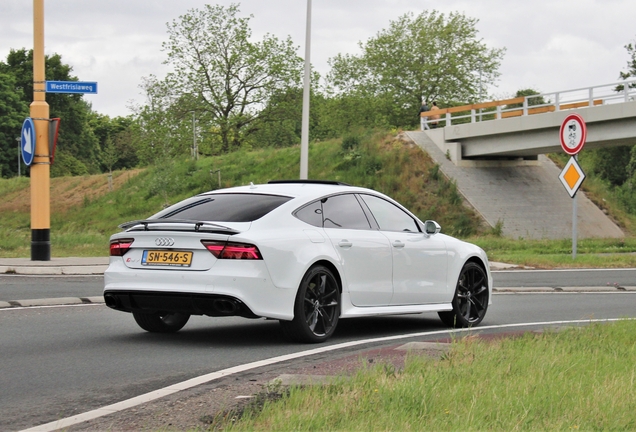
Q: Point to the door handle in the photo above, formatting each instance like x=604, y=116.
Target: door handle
x=398, y=244
x=345, y=244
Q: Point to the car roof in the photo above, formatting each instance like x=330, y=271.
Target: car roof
x=295, y=189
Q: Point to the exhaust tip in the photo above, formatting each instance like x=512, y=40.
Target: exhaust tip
x=226, y=307
x=111, y=301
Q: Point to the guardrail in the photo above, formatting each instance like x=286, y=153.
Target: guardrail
x=618, y=92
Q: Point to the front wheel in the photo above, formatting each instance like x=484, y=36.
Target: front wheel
x=317, y=307
x=156, y=322
x=471, y=298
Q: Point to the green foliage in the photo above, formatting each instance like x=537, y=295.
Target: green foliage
x=537, y=100
x=611, y=163
x=631, y=66
x=67, y=165
x=350, y=142
x=75, y=137
x=13, y=111
x=431, y=56
x=221, y=74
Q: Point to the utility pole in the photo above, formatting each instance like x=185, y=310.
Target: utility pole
x=40, y=169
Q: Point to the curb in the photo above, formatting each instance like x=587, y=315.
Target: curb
x=58, y=301
x=54, y=270
x=587, y=289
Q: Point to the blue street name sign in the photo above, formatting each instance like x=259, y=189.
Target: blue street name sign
x=27, y=142
x=71, y=87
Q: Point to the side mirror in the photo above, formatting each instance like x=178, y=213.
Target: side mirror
x=431, y=227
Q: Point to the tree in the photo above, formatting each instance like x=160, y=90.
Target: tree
x=631, y=66
x=76, y=138
x=13, y=111
x=539, y=100
x=430, y=56
x=222, y=75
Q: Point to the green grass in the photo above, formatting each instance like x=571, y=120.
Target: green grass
x=372, y=159
x=379, y=161
x=601, y=253
x=576, y=379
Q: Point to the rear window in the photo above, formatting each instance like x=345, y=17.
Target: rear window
x=223, y=207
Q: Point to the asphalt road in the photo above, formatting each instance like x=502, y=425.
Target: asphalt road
x=60, y=361
x=17, y=287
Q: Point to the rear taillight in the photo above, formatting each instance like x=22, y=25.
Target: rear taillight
x=119, y=247
x=225, y=250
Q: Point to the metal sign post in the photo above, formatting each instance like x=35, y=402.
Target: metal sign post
x=575, y=234
x=572, y=136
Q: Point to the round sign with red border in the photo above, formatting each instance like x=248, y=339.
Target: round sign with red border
x=573, y=134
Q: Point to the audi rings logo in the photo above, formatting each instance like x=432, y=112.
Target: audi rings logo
x=164, y=241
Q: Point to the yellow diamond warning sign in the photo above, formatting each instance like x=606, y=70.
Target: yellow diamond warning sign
x=572, y=176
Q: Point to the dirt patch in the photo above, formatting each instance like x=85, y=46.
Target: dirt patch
x=67, y=192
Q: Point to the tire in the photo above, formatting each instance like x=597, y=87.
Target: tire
x=161, y=322
x=470, y=301
x=316, y=309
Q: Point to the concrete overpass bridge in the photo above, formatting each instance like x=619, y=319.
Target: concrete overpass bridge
x=525, y=127
x=494, y=151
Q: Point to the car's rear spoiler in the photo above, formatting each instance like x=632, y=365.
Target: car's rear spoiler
x=176, y=225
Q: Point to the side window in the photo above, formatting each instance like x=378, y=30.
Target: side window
x=344, y=211
x=311, y=214
x=388, y=216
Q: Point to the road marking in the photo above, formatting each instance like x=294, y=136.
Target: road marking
x=563, y=270
x=203, y=379
x=15, y=308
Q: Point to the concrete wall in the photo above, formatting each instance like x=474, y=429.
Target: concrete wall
x=529, y=199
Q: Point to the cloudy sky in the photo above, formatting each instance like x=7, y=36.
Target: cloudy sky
x=551, y=45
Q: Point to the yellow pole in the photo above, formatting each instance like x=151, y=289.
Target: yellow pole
x=40, y=169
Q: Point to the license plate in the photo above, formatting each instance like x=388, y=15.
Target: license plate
x=167, y=258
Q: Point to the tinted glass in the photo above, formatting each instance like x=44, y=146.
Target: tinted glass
x=311, y=214
x=388, y=216
x=344, y=211
x=223, y=207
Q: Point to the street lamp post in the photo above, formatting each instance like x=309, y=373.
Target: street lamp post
x=304, y=133
x=40, y=168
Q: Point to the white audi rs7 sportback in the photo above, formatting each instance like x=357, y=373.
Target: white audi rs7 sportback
x=306, y=253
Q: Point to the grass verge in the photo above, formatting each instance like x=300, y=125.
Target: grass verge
x=591, y=253
x=576, y=379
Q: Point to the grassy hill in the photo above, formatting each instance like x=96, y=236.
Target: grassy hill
x=84, y=213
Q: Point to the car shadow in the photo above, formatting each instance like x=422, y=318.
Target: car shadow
x=237, y=333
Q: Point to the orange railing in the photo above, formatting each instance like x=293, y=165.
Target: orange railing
x=622, y=91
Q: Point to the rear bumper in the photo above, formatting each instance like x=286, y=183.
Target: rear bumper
x=187, y=303
x=215, y=292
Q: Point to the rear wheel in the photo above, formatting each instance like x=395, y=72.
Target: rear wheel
x=317, y=307
x=157, y=322
x=471, y=298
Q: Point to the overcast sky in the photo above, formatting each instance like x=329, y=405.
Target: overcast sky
x=551, y=45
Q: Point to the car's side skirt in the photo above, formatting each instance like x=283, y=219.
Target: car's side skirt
x=353, y=312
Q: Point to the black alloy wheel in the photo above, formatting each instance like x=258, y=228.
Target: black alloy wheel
x=317, y=307
x=156, y=322
x=471, y=298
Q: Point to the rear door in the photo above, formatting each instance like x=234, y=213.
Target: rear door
x=365, y=253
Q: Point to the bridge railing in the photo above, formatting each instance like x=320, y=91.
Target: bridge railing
x=618, y=92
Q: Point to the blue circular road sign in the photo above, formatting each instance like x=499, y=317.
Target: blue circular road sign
x=28, y=141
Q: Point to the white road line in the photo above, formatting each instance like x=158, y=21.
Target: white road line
x=203, y=379
x=574, y=270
